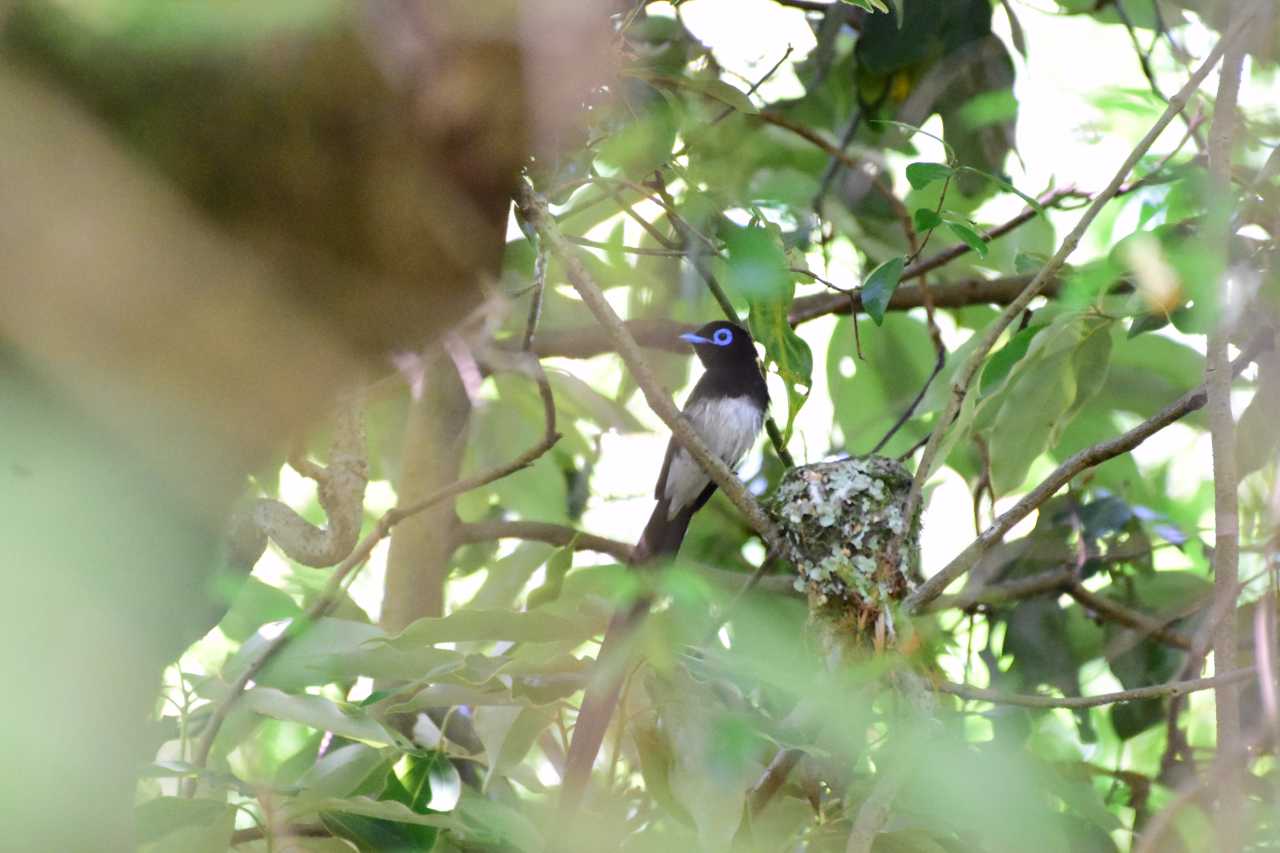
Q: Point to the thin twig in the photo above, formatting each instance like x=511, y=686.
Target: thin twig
x=965, y=375
x=538, y=531
x=1063, y=474
x=809, y=135
x=330, y=595
x=834, y=163
x=1214, y=781
x=540, y=264
x=1117, y=612
x=915, y=402
x=1154, y=691
x=664, y=334
x=946, y=256
x=630, y=250
x=772, y=780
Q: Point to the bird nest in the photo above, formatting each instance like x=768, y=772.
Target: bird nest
x=847, y=535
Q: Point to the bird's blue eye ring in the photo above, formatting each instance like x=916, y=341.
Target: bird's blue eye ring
x=722, y=337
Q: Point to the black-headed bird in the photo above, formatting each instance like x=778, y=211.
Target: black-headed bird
x=727, y=409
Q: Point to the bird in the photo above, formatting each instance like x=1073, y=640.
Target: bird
x=727, y=408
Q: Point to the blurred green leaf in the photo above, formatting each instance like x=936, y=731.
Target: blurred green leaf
x=786, y=351
x=509, y=733
x=878, y=288
x=969, y=236
x=869, y=5
x=1030, y=417
x=257, y=604
x=487, y=626
x=181, y=825
x=489, y=823
x=336, y=650
x=1257, y=432
x=926, y=219
x=920, y=175
x=757, y=265
x=1002, y=360
x=318, y=713
x=350, y=770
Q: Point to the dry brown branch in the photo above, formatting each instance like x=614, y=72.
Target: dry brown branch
x=965, y=375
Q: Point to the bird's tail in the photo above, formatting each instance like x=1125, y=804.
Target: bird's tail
x=661, y=538
x=598, y=702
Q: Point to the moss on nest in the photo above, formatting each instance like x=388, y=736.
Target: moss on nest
x=841, y=521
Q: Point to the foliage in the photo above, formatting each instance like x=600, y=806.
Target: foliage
x=447, y=735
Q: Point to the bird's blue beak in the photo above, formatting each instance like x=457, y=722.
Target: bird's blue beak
x=694, y=339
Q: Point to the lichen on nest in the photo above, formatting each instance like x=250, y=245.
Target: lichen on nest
x=840, y=521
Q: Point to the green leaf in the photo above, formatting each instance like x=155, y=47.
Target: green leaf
x=1148, y=322
x=1002, y=361
x=579, y=399
x=508, y=733
x=1257, y=434
x=557, y=567
x=969, y=235
x=926, y=219
x=879, y=286
x=1029, y=418
x=1029, y=263
x=1091, y=362
x=318, y=713
x=383, y=809
x=347, y=771
x=784, y=349
x=339, y=650
x=869, y=5
x=920, y=175
x=757, y=264
x=184, y=825
x=443, y=783
x=719, y=90
x=471, y=626
x=374, y=835
x=257, y=604
x=488, y=824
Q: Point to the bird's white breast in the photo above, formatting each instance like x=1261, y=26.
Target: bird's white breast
x=729, y=426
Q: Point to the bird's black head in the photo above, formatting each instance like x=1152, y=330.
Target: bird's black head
x=722, y=344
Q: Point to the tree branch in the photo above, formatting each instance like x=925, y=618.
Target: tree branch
x=330, y=595
x=1117, y=612
x=964, y=377
x=1155, y=691
x=1088, y=458
x=1222, y=432
x=534, y=209
x=538, y=531
x=340, y=491
x=663, y=334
